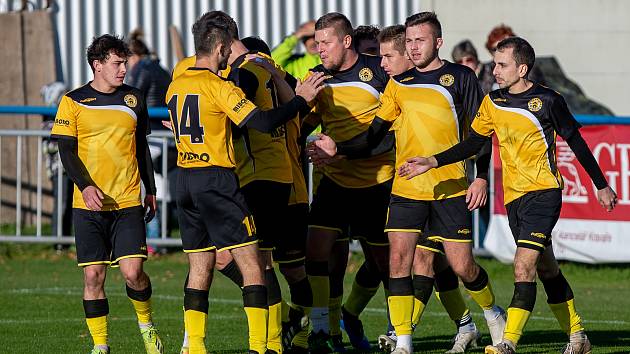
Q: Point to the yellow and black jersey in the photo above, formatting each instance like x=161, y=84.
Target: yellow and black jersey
x=299, y=192
x=526, y=125
x=105, y=125
x=201, y=106
x=346, y=107
x=260, y=156
x=189, y=62
x=430, y=112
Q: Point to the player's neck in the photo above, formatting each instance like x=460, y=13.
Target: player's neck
x=238, y=49
x=435, y=64
x=100, y=85
x=207, y=62
x=350, y=60
x=520, y=86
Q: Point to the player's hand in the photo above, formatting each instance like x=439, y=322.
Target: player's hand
x=306, y=30
x=150, y=206
x=92, y=196
x=167, y=124
x=310, y=87
x=607, y=198
x=477, y=194
x=322, y=150
x=263, y=63
x=416, y=166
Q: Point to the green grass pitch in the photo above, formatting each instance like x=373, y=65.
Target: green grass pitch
x=41, y=311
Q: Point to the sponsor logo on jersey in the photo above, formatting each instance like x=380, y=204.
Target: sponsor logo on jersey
x=191, y=156
x=60, y=121
x=130, y=100
x=407, y=79
x=498, y=99
x=539, y=235
x=366, y=74
x=240, y=105
x=535, y=104
x=89, y=99
x=447, y=80
x=464, y=231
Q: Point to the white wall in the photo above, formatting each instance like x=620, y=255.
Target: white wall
x=590, y=38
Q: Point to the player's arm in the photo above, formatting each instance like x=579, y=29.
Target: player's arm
x=284, y=83
x=568, y=128
x=69, y=153
x=472, y=102
x=145, y=163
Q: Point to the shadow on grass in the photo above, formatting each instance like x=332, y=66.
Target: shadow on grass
x=532, y=342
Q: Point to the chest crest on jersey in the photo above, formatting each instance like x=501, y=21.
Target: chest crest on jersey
x=447, y=80
x=366, y=74
x=535, y=104
x=130, y=100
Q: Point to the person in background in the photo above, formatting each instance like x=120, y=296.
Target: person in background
x=365, y=39
x=299, y=64
x=51, y=95
x=147, y=75
x=464, y=53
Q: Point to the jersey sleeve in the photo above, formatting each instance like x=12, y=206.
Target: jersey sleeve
x=472, y=96
x=66, y=119
x=143, y=118
x=389, y=109
x=233, y=102
x=561, y=118
x=246, y=81
x=482, y=124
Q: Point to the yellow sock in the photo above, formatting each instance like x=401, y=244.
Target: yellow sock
x=516, y=320
x=453, y=303
x=484, y=297
x=195, y=324
x=143, y=310
x=418, y=309
x=334, y=315
x=257, y=319
x=359, y=298
x=401, y=310
x=320, y=286
x=274, y=329
x=98, y=329
x=567, y=317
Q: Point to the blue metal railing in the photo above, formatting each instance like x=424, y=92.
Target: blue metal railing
x=161, y=112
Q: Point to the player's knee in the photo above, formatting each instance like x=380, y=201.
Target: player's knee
x=133, y=277
x=94, y=278
x=467, y=270
x=423, y=263
x=524, y=272
x=293, y=274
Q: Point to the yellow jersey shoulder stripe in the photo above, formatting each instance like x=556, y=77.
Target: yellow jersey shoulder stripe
x=112, y=108
x=360, y=85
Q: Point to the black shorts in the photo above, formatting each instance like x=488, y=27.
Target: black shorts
x=292, y=249
x=212, y=211
x=268, y=200
x=533, y=216
x=356, y=212
x=106, y=237
x=447, y=219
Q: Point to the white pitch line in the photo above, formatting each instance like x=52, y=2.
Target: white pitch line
x=78, y=292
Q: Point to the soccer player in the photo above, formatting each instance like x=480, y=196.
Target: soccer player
x=526, y=117
x=431, y=103
x=429, y=255
x=102, y=128
x=352, y=194
x=213, y=214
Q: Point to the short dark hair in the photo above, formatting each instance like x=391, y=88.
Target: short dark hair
x=364, y=33
x=219, y=19
x=257, y=44
x=338, y=21
x=522, y=51
x=208, y=34
x=463, y=49
x=394, y=34
x=102, y=47
x=428, y=17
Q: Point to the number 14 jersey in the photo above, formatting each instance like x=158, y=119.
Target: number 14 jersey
x=201, y=106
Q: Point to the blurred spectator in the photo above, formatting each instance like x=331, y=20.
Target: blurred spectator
x=486, y=77
x=365, y=39
x=298, y=64
x=464, y=53
x=145, y=73
x=51, y=94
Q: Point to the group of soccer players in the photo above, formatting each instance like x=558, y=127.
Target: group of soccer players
x=240, y=123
